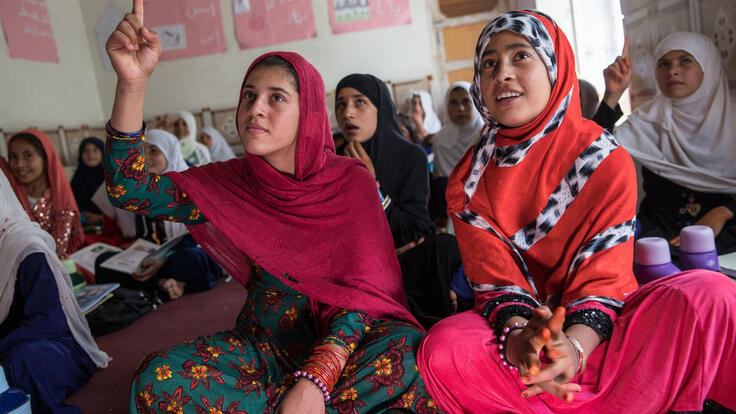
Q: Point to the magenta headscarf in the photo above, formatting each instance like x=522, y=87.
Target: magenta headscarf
x=322, y=232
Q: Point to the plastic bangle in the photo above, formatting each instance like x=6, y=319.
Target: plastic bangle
x=385, y=202
x=125, y=136
x=581, y=355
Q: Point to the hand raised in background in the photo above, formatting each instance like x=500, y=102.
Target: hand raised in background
x=133, y=49
x=618, y=77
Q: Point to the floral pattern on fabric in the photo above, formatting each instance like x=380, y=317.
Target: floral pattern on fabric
x=130, y=186
x=250, y=368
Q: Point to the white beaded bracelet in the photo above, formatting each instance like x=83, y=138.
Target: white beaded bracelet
x=504, y=339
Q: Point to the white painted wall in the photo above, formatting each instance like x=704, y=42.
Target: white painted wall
x=80, y=91
x=47, y=95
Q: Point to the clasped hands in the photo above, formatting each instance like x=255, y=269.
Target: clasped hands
x=523, y=348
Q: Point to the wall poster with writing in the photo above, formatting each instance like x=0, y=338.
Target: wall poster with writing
x=187, y=28
x=261, y=23
x=27, y=30
x=356, y=15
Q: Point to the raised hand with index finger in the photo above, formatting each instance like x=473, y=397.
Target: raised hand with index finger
x=618, y=77
x=133, y=49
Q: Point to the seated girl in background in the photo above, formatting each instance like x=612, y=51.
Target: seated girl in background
x=46, y=348
x=214, y=141
x=456, y=136
x=185, y=129
x=407, y=126
x=188, y=268
x=43, y=189
x=367, y=117
x=426, y=119
x=325, y=325
x=544, y=210
x=684, y=139
x=461, y=129
x=87, y=179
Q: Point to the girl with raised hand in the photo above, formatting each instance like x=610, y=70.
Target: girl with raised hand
x=543, y=207
x=684, y=139
x=214, y=141
x=325, y=326
x=422, y=112
x=87, y=179
x=185, y=129
x=46, y=348
x=43, y=189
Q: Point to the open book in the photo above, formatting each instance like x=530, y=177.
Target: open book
x=91, y=296
x=130, y=259
x=85, y=258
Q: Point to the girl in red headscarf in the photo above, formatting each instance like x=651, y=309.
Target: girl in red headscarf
x=543, y=207
x=325, y=326
x=43, y=189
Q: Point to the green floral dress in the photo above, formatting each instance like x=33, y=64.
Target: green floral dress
x=249, y=368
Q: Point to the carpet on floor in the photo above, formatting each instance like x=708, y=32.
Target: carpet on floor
x=108, y=391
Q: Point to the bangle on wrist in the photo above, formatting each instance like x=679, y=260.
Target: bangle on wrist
x=124, y=136
x=581, y=355
x=316, y=381
x=503, y=343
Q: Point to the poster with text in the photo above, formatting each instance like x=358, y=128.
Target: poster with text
x=267, y=22
x=27, y=30
x=356, y=15
x=187, y=28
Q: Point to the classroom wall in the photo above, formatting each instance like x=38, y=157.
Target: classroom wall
x=47, y=95
x=80, y=91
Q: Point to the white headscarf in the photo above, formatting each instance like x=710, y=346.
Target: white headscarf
x=690, y=140
x=167, y=143
x=19, y=238
x=169, y=146
x=432, y=123
x=220, y=150
x=453, y=140
x=191, y=150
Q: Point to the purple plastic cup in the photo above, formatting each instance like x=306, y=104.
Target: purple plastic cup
x=652, y=259
x=698, y=248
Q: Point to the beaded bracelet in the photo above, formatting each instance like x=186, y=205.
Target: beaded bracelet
x=503, y=339
x=125, y=136
x=581, y=355
x=316, y=381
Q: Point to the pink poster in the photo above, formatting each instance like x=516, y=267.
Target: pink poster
x=356, y=15
x=27, y=30
x=187, y=28
x=266, y=22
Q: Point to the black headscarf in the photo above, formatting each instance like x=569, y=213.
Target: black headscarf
x=86, y=179
x=401, y=167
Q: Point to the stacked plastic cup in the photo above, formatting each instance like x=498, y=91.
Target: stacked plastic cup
x=13, y=400
x=652, y=259
x=698, y=248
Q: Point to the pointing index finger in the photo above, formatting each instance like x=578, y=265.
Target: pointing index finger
x=138, y=10
x=624, y=53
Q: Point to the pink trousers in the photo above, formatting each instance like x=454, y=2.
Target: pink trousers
x=673, y=346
